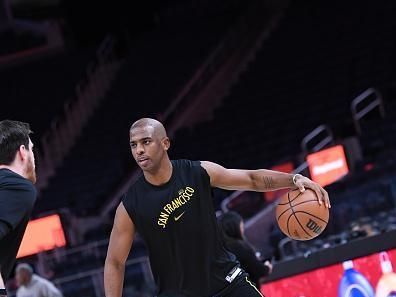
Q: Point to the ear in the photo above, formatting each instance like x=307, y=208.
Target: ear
x=166, y=143
x=22, y=152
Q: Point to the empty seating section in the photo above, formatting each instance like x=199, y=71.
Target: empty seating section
x=36, y=92
x=306, y=74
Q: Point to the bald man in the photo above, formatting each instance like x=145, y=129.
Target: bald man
x=170, y=205
x=32, y=285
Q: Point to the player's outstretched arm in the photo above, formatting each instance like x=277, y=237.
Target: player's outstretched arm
x=260, y=180
x=120, y=244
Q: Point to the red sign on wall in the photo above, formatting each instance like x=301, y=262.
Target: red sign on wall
x=327, y=166
x=42, y=235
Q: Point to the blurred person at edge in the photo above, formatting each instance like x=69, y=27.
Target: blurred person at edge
x=17, y=191
x=31, y=285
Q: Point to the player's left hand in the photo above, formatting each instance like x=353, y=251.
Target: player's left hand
x=302, y=182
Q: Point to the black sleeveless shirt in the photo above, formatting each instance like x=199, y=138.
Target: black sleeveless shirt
x=178, y=223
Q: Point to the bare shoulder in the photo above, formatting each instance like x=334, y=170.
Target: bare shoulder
x=225, y=178
x=122, y=216
x=121, y=236
x=122, y=219
x=211, y=167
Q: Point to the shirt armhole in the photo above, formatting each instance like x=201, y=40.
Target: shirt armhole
x=203, y=172
x=128, y=207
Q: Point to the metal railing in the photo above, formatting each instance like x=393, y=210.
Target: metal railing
x=358, y=114
x=310, y=137
x=92, y=280
x=373, y=98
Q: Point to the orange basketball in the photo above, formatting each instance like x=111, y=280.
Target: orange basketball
x=300, y=216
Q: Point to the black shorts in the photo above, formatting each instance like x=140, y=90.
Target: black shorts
x=241, y=286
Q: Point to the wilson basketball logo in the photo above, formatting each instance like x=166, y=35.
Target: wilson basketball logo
x=313, y=226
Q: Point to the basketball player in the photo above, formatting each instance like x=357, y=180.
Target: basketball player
x=17, y=193
x=171, y=207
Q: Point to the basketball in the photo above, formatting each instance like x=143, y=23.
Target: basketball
x=300, y=216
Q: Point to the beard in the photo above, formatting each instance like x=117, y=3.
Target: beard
x=31, y=170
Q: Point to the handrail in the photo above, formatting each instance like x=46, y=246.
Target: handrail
x=358, y=115
x=227, y=200
x=95, y=271
x=96, y=275
x=311, y=136
x=300, y=168
x=282, y=247
x=85, y=247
